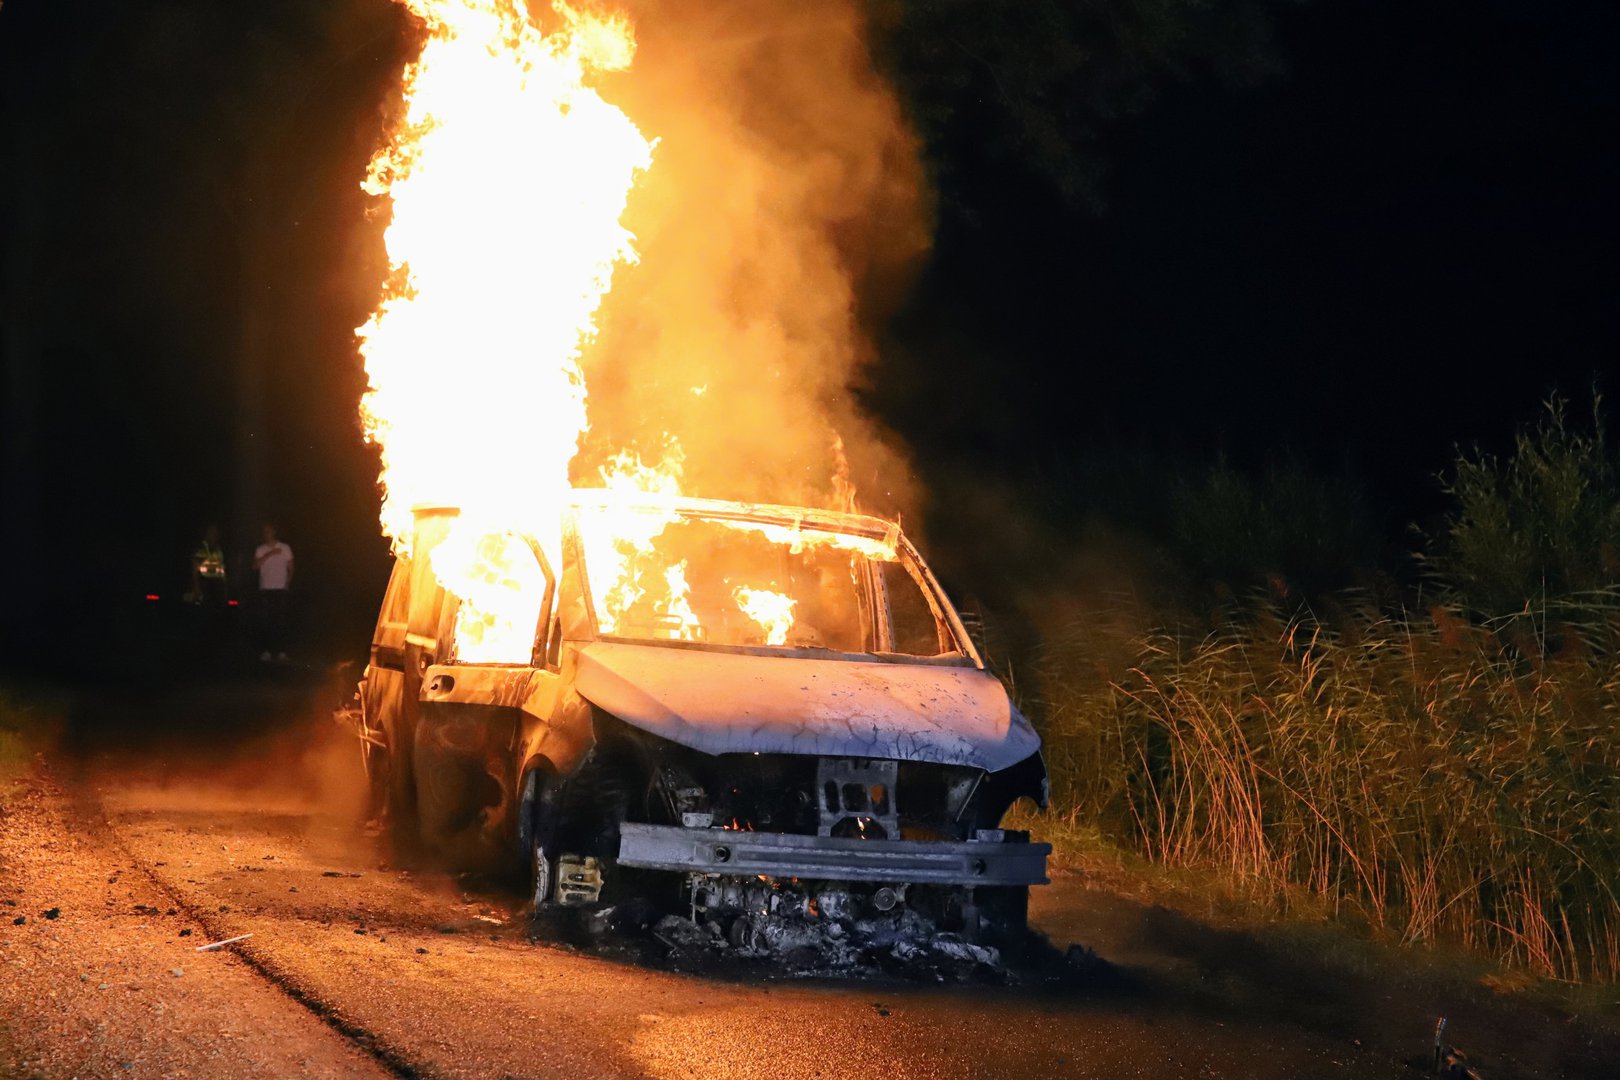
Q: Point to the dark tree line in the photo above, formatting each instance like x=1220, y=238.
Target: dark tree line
x=1037, y=87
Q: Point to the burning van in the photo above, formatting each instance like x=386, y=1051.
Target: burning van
x=734, y=711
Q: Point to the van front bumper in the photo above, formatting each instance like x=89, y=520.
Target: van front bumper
x=993, y=857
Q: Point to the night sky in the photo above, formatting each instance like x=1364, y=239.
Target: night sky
x=1398, y=236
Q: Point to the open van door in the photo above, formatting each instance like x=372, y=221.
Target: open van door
x=404, y=645
x=489, y=680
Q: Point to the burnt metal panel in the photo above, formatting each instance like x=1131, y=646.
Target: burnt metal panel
x=725, y=702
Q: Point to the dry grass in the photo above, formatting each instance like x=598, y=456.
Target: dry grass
x=1423, y=775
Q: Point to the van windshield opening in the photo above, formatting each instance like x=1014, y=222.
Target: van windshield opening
x=659, y=575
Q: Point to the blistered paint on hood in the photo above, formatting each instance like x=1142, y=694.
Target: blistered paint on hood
x=723, y=703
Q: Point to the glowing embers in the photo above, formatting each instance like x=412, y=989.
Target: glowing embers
x=856, y=798
x=506, y=177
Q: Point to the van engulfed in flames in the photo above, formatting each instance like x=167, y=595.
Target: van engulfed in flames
x=765, y=717
x=833, y=751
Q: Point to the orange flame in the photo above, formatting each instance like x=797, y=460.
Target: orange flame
x=506, y=180
x=620, y=555
x=772, y=610
x=501, y=588
x=679, y=605
x=797, y=540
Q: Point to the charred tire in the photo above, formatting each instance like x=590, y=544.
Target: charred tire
x=608, y=790
x=399, y=802
x=466, y=807
x=542, y=874
x=599, y=806
x=374, y=762
x=541, y=847
x=441, y=801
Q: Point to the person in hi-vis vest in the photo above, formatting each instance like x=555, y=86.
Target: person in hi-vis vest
x=208, y=581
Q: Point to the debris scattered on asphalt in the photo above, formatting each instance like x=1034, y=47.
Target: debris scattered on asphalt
x=680, y=934
x=827, y=945
x=218, y=944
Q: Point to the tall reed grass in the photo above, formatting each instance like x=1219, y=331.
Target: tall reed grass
x=1443, y=780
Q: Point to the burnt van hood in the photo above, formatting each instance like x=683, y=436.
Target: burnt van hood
x=727, y=703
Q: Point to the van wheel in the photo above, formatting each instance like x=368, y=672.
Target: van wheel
x=542, y=874
x=374, y=760
x=543, y=850
x=399, y=806
x=592, y=806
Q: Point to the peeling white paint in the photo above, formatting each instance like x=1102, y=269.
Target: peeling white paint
x=723, y=702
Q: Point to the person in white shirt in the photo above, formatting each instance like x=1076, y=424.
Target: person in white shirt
x=273, y=560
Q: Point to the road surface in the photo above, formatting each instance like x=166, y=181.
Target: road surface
x=146, y=849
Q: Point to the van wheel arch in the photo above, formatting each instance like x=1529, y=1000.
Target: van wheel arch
x=536, y=847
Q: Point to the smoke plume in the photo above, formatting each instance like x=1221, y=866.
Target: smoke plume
x=782, y=213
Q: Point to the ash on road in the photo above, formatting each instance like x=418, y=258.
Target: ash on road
x=355, y=968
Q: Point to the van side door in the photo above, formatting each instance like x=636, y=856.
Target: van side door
x=491, y=682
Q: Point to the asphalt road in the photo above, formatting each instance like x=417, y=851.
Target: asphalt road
x=355, y=968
